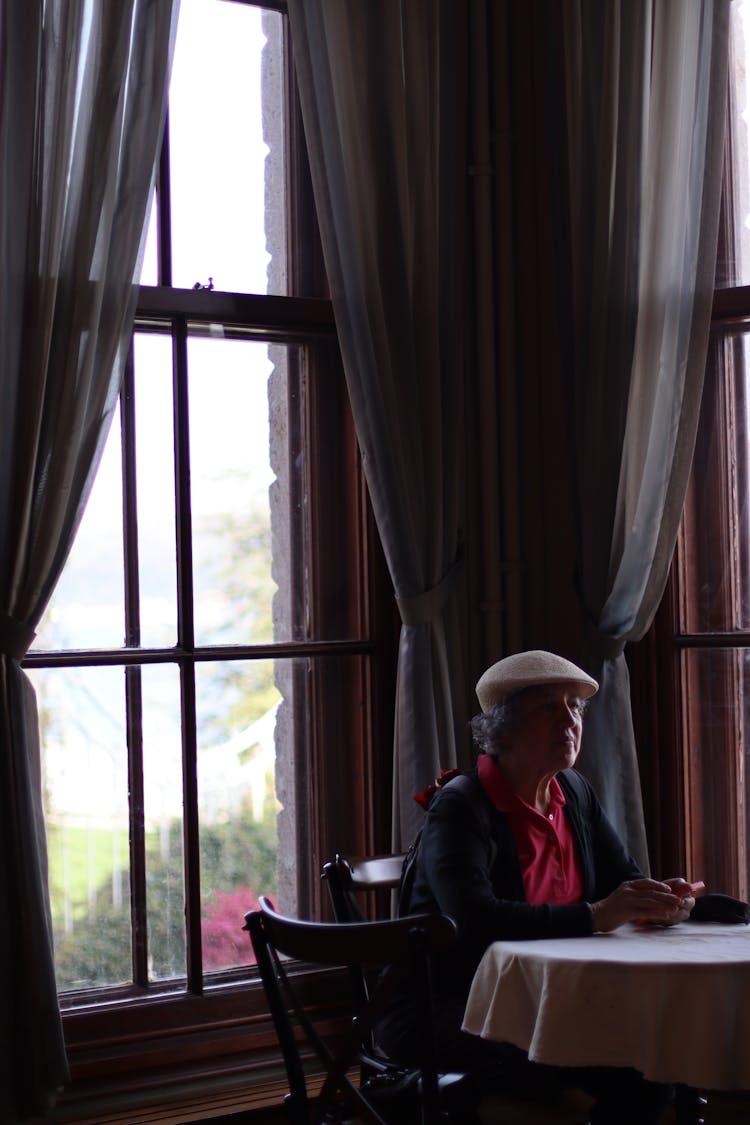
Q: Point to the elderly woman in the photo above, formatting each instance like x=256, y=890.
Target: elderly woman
x=521, y=848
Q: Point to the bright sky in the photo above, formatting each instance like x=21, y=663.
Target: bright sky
x=217, y=149
x=219, y=230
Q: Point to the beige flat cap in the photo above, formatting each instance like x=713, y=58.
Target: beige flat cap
x=529, y=669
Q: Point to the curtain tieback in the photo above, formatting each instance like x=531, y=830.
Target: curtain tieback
x=609, y=647
x=602, y=646
x=15, y=637
x=423, y=608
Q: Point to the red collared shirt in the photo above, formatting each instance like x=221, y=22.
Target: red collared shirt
x=550, y=863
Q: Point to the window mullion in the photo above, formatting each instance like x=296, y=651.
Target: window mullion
x=133, y=692
x=186, y=641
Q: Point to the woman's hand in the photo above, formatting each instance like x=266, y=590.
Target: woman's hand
x=688, y=892
x=643, y=900
x=684, y=889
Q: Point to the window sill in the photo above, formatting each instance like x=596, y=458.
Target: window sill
x=181, y=1058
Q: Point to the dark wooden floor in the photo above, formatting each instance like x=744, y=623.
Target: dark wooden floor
x=722, y=1109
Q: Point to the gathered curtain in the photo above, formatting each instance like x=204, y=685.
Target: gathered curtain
x=82, y=100
x=631, y=127
x=644, y=98
x=383, y=103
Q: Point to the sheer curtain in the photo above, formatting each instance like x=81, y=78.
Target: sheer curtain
x=82, y=99
x=381, y=87
x=645, y=106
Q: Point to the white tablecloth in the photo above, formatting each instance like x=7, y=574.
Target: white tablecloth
x=674, y=1003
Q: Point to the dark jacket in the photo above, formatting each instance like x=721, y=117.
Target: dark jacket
x=468, y=868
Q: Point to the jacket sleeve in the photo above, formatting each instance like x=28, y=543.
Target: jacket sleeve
x=474, y=876
x=606, y=862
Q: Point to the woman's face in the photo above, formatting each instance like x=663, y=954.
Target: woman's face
x=548, y=728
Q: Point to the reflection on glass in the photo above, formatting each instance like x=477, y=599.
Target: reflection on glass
x=715, y=561
x=716, y=715
x=162, y=810
x=237, y=710
x=81, y=714
x=149, y=274
x=231, y=477
x=155, y=489
x=733, y=265
x=226, y=149
x=86, y=609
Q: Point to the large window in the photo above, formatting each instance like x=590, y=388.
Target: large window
x=204, y=670
x=705, y=622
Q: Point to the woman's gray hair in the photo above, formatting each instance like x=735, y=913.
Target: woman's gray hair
x=490, y=729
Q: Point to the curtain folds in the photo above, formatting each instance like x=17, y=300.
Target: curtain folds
x=645, y=104
x=630, y=130
x=82, y=97
x=382, y=93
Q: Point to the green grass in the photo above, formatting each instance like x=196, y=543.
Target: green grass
x=82, y=859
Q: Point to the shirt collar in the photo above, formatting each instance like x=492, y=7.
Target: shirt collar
x=502, y=794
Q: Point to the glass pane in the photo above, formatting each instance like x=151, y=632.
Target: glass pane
x=84, y=759
x=715, y=560
x=733, y=265
x=155, y=489
x=162, y=810
x=255, y=577
x=86, y=609
x=231, y=478
x=149, y=265
x=258, y=777
x=237, y=708
x=716, y=704
x=227, y=148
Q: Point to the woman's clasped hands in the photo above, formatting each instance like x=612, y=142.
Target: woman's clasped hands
x=646, y=902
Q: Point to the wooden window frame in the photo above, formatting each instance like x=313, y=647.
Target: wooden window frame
x=670, y=690
x=154, y=1043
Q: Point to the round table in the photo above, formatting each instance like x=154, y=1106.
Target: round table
x=672, y=1002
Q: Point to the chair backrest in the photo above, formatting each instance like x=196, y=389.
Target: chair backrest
x=345, y=877
x=399, y=946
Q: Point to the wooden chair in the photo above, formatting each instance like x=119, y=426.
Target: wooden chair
x=395, y=947
x=346, y=877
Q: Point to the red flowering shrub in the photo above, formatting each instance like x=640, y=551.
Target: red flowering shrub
x=225, y=943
